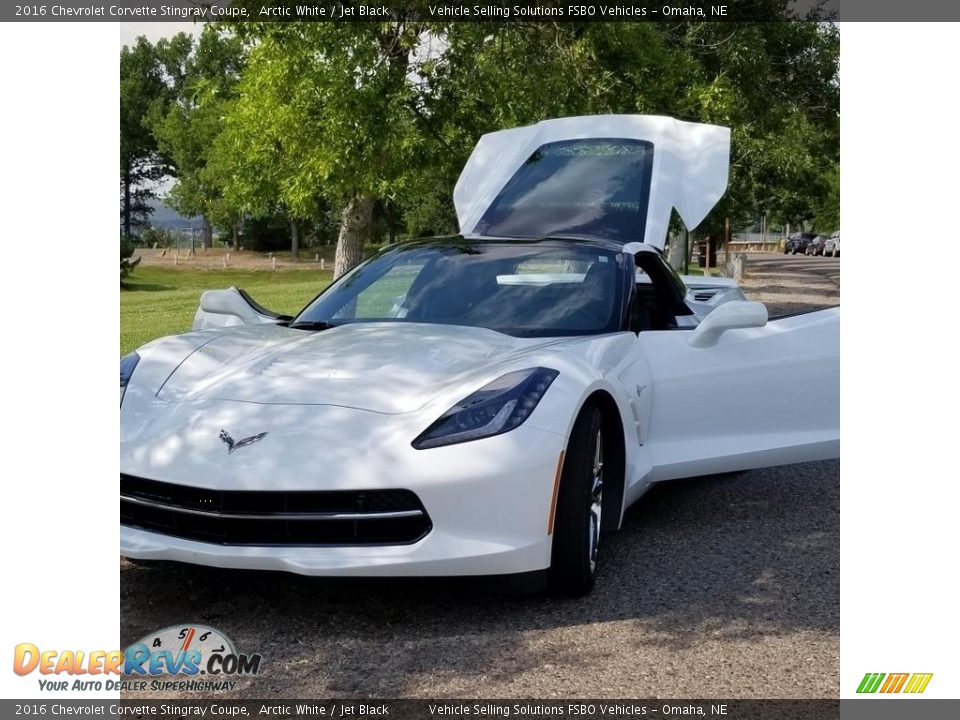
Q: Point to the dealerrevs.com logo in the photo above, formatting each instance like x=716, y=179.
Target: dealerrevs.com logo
x=179, y=657
x=910, y=683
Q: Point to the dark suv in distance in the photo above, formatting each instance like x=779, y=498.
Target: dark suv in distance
x=798, y=242
x=815, y=246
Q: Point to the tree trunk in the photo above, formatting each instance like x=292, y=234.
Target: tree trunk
x=206, y=234
x=126, y=200
x=294, y=240
x=677, y=252
x=356, y=227
x=391, y=230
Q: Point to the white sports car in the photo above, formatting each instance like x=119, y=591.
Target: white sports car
x=484, y=404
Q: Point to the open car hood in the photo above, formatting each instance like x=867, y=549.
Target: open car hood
x=611, y=176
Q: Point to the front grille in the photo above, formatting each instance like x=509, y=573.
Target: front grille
x=239, y=517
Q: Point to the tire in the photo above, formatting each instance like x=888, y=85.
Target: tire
x=577, y=522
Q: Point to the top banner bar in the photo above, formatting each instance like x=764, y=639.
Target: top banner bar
x=479, y=11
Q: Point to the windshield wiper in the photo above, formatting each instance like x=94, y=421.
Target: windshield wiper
x=312, y=325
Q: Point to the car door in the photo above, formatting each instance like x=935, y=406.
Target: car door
x=759, y=396
x=752, y=396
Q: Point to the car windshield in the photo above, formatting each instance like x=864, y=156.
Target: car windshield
x=523, y=289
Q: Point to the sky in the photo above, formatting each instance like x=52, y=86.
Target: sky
x=130, y=31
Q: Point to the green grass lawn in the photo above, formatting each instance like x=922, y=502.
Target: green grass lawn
x=161, y=301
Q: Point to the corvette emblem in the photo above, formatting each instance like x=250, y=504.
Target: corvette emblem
x=237, y=444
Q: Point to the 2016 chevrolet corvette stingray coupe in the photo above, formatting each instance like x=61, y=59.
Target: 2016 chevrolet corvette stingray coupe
x=483, y=404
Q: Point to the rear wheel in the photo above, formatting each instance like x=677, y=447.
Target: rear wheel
x=579, y=512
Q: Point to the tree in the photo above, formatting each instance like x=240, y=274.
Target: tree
x=383, y=115
x=206, y=77
x=325, y=109
x=826, y=214
x=142, y=91
x=774, y=84
x=490, y=76
x=150, y=78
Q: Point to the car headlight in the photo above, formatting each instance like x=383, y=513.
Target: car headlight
x=127, y=364
x=496, y=408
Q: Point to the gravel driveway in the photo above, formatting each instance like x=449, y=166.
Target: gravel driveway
x=716, y=587
x=792, y=283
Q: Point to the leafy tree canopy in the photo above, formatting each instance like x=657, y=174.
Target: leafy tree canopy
x=290, y=119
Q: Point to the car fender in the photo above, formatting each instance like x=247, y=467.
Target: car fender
x=601, y=366
x=160, y=358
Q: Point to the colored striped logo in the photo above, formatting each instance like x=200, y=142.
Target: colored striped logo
x=894, y=682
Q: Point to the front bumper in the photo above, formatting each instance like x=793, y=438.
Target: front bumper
x=439, y=554
x=488, y=502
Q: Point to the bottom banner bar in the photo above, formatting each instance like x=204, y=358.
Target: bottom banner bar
x=443, y=709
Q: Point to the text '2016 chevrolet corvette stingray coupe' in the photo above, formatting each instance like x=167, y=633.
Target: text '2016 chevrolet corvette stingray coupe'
x=483, y=404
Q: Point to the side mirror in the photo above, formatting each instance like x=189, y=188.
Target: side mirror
x=228, y=303
x=733, y=315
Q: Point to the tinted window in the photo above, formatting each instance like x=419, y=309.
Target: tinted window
x=597, y=188
x=531, y=289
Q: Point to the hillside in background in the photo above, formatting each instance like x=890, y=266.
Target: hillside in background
x=168, y=219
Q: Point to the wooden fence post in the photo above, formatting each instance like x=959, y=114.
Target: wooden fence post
x=726, y=242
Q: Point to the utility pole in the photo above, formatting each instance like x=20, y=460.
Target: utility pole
x=726, y=243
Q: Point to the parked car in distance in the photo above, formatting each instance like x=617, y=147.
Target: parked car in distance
x=815, y=246
x=832, y=246
x=798, y=242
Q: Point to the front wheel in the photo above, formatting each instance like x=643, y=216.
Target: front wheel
x=577, y=522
